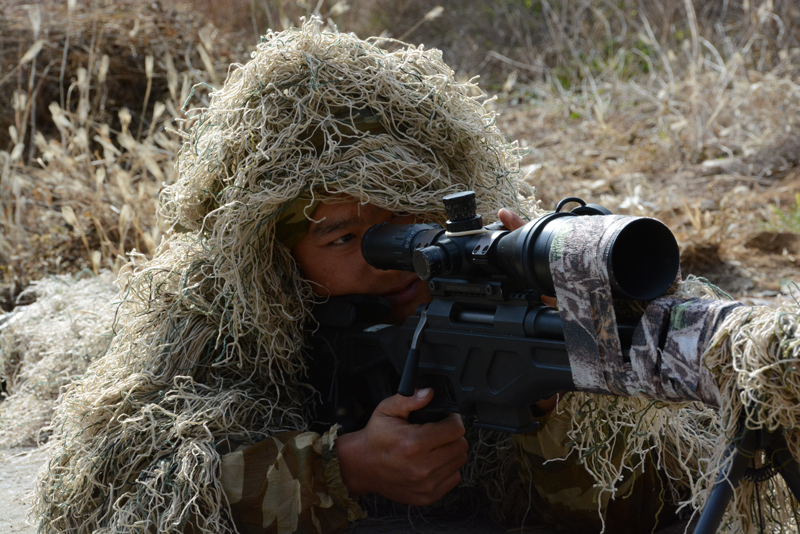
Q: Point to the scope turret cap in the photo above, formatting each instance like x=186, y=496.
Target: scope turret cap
x=461, y=216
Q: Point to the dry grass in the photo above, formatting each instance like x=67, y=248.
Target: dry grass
x=252, y=18
x=86, y=137
x=705, y=138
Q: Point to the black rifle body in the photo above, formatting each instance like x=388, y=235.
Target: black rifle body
x=486, y=342
x=488, y=361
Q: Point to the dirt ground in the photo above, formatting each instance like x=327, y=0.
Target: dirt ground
x=17, y=472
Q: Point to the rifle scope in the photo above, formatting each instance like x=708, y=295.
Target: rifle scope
x=642, y=259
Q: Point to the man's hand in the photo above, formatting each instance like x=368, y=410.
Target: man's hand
x=407, y=463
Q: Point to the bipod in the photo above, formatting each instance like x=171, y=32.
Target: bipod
x=743, y=450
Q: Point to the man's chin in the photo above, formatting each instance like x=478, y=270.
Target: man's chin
x=399, y=316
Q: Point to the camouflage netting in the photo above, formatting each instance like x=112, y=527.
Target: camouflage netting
x=210, y=330
x=47, y=344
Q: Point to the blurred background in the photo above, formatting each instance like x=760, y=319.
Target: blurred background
x=684, y=110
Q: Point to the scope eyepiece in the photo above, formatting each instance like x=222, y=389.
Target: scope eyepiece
x=442, y=258
x=430, y=261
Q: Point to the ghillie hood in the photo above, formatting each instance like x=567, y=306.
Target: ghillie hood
x=207, y=345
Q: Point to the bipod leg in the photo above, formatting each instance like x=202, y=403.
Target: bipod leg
x=785, y=464
x=742, y=452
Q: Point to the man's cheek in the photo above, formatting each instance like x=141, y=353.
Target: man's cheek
x=340, y=280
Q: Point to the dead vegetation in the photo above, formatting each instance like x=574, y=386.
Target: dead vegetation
x=93, y=87
x=704, y=136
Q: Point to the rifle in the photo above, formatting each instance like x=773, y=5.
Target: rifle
x=486, y=343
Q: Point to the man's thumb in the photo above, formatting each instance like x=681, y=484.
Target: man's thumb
x=400, y=406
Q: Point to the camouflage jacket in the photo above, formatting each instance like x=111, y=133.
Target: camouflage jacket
x=288, y=483
x=291, y=483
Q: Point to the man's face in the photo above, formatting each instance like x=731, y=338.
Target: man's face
x=330, y=255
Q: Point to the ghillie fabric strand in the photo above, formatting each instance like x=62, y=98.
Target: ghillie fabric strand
x=208, y=338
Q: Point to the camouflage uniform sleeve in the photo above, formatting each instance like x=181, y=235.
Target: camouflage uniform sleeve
x=563, y=492
x=288, y=483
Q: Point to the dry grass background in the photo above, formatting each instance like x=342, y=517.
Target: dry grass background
x=684, y=110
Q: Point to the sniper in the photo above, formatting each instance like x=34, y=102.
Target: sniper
x=201, y=417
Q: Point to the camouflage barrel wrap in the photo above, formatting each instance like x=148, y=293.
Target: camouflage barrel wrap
x=666, y=357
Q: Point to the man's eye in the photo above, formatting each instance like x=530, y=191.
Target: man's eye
x=344, y=239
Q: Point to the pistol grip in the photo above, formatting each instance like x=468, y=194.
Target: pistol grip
x=420, y=417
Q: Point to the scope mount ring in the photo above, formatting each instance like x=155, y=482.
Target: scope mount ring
x=537, y=229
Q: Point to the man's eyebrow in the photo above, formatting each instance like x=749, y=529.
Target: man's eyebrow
x=325, y=227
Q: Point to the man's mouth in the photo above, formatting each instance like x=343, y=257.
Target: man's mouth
x=404, y=294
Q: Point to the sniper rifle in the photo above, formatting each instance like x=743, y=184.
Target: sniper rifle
x=486, y=343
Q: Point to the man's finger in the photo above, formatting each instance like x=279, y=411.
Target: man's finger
x=400, y=406
x=449, y=458
x=451, y=482
x=443, y=432
x=510, y=220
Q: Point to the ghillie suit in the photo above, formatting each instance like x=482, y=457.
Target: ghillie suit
x=207, y=354
x=207, y=348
